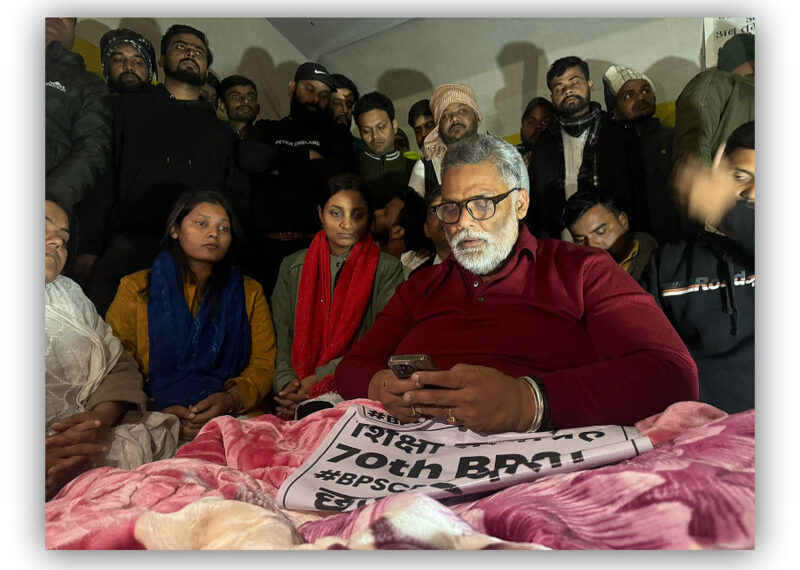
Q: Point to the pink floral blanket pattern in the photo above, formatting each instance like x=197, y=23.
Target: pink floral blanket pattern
x=694, y=490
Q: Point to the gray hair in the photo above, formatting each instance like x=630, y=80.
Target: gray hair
x=497, y=152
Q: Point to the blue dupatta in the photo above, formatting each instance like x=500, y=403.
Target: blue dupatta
x=192, y=357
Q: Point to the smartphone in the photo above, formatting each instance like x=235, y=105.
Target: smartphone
x=404, y=365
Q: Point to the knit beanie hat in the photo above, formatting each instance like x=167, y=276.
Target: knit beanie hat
x=113, y=38
x=740, y=49
x=443, y=96
x=615, y=77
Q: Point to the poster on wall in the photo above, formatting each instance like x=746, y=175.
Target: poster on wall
x=717, y=31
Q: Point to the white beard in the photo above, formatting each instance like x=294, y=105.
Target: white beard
x=486, y=257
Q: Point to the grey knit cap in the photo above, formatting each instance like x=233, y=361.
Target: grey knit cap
x=113, y=38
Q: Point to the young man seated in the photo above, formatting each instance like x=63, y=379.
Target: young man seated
x=593, y=218
x=526, y=334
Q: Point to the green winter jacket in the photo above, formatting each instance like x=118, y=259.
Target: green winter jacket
x=388, y=275
x=709, y=109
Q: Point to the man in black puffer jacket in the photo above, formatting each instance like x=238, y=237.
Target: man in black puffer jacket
x=77, y=117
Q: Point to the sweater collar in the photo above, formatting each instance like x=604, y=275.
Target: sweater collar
x=394, y=155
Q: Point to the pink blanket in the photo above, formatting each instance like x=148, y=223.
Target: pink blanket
x=695, y=489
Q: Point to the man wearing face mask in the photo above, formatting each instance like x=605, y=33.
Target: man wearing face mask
x=706, y=286
x=582, y=149
x=290, y=161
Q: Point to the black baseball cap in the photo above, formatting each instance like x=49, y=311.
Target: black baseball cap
x=315, y=72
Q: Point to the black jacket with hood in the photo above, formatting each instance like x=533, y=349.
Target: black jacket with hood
x=706, y=287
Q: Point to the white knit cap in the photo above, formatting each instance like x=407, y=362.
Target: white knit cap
x=615, y=77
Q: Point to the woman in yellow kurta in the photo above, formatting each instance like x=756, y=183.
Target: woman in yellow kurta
x=201, y=331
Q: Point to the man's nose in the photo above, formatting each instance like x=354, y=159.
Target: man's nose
x=749, y=192
x=464, y=218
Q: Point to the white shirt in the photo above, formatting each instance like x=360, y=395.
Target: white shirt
x=417, y=180
x=573, y=157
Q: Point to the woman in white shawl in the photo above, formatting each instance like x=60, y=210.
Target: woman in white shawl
x=94, y=399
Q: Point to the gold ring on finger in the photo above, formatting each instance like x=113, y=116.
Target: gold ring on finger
x=451, y=419
x=414, y=411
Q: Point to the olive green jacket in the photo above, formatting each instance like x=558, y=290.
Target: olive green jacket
x=388, y=275
x=709, y=109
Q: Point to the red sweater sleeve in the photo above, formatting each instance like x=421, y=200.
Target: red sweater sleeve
x=368, y=355
x=642, y=365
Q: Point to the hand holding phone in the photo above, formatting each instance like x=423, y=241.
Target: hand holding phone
x=404, y=365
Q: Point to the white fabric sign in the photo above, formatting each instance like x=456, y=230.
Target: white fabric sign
x=369, y=454
x=717, y=31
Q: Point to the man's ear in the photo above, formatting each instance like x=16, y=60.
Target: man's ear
x=161, y=61
x=591, y=85
x=522, y=203
x=397, y=232
x=394, y=127
x=624, y=221
x=292, y=86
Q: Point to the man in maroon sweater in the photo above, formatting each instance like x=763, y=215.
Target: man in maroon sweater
x=525, y=333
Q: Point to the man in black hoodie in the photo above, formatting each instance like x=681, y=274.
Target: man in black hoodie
x=166, y=139
x=290, y=162
x=706, y=286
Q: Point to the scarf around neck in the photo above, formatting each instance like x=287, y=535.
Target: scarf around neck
x=576, y=126
x=192, y=357
x=326, y=326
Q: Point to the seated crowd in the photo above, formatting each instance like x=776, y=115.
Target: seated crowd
x=235, y=266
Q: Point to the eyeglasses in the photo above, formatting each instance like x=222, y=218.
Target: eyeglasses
x=480, y=208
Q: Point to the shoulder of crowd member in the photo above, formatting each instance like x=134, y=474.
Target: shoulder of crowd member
x=136, y=281
x=389, y=264
x=292, y=265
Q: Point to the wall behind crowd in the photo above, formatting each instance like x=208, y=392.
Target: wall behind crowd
x=504, y=60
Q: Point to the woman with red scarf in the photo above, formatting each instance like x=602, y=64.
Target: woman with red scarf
x=327, y=296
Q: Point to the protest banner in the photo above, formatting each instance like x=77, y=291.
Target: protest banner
x=370, y=454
